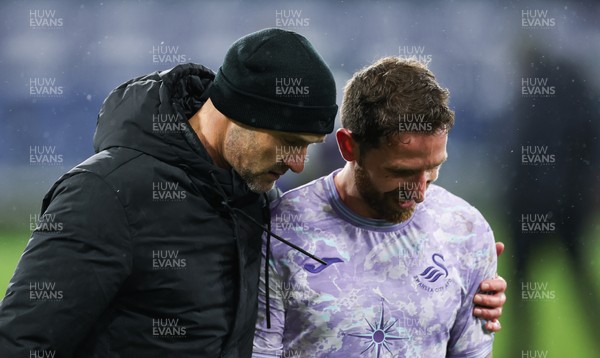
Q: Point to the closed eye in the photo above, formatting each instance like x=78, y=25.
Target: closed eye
x=411, y=172
x=403, y=172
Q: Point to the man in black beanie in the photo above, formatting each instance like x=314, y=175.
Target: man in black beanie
x=272, y=90
x=151, y=247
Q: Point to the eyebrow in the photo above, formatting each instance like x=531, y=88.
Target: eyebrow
x=410, y=170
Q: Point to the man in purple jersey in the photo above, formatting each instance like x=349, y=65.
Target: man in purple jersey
x=405, y=258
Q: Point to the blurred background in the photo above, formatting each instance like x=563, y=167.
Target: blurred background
x=524, y=81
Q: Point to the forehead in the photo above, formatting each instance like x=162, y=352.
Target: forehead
x=413, y=149
x=301, y=138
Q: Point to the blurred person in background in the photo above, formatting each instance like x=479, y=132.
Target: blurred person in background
x=405, y=257
x=553, y=184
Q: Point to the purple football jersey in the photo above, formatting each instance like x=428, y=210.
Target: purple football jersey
x=389, y=290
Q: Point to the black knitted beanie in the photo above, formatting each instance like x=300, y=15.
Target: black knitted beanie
x=275, y=79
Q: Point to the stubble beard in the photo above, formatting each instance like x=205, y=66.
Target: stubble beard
x=385, y=205
x=238, y=147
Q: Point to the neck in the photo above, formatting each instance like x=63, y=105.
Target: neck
x=349, y=194
x=210, y=126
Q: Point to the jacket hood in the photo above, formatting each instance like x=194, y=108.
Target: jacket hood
x=150, y=114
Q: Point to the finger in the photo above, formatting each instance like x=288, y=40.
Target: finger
x=488, y=313
x=497, y=284
x=491, y=301
x=493, y=325
x=499, y=248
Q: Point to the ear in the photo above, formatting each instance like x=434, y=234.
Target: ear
x=347, y=145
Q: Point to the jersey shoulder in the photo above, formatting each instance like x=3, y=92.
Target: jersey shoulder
x=441, y=200
x=298, y=199
x=451, y=211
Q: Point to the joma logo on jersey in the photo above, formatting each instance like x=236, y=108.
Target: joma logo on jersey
x=434, y=278
x=312, y=268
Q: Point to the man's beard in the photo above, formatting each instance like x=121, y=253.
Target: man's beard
x=239, y=146
x=254, y=181
x=259, y=182
x=385, y=205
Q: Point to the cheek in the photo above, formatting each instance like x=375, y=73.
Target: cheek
x=257, y=148
x=381, y=182
x=386, y=184
x=231, y=150
x=434, y=175
x=248, y=153
x=263, y=157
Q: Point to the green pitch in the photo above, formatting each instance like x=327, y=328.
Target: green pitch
x=556, y=323
x=11, y=248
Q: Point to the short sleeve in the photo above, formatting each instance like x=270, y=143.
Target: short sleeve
x=468, y=337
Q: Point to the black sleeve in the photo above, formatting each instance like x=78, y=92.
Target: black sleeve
x=72, y=268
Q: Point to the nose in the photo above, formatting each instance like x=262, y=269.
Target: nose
x=422, y=182
x=296, y=163
x=295, y=158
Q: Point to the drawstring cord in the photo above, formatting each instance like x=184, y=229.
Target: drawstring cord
x=267, y=257
x=267, y=228
x=269, y=233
